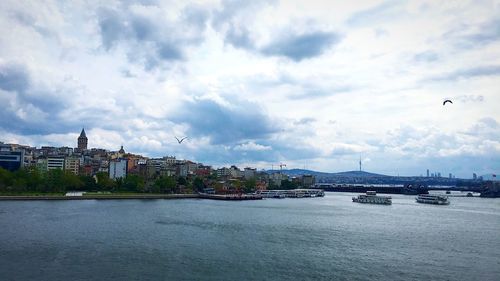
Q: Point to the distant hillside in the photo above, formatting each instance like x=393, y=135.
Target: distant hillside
x=359, y=174
x=299, y=172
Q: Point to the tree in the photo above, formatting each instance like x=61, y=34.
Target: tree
x=88, y=182
x=198, y=184
x=133, y=183
x=181, y=181
x=250, y=185
x=104, y=183
x=72, y=181
x=54, y=182
x=36, y=180
x=286, y=184
x=164, y=184
x=6, y=179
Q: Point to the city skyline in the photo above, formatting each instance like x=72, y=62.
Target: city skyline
x=311, y=84
x=69, y=152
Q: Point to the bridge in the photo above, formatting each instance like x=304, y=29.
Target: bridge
x=409, y=189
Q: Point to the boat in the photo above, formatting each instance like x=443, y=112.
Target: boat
x=432, y=199
x=371, y=197
x=271, y=194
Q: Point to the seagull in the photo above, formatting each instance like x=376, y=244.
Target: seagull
x=444, y=102
x=179, y=141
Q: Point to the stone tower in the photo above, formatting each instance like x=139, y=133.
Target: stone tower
x=82, y=140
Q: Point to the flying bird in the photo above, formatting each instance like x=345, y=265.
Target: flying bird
x=179, y=141
x=444, y=102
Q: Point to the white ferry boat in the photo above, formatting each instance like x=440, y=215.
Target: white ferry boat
x=371, y=197
x=432, y=199
x=278, y=194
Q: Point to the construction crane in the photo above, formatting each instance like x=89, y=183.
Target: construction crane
x=281, y=166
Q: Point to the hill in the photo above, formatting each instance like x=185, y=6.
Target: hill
x=299, y=172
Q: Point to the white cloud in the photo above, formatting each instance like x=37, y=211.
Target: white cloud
x=251, y=146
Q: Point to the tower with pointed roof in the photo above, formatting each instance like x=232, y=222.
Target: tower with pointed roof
x=82, y=140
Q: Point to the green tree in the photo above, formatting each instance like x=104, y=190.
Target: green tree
x=133, y=183
x=54, y=182
x=35, y=180
x=88, y=183
x=198, y=184
x=104, y=183
x=286, y=184
x=164, y=184
x=249, y=185
x=72, y=181
x=6, y=179
x=181, y=181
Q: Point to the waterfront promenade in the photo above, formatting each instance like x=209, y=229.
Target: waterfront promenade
x=229, y=197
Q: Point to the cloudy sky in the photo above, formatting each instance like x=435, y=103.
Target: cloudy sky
x=314, y=84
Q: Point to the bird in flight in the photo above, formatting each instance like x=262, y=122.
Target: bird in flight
x=180, y=140
x=444, y=102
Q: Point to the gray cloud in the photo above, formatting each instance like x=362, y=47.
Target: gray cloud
x=480, y=71
x=14, y=78
x=466, y=36
x=148, y=37
x=230, y=20
x=241, y=121
x=302, y=46
x=235, y=19
x=470, y=98
x=239, y=37
x=29, y=108
x=312, y=92
x=110, y=26
x=486, y=127
x=388, y=10
x=427, y=56
x=304, y=121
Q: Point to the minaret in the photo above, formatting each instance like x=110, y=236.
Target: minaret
x=82, y=140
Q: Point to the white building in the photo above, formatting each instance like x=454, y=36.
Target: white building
x=118, y=168
x=55, y=163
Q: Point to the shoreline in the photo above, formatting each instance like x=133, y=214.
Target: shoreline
x=127, y=197
x=98, y=197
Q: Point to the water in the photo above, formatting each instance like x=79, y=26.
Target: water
x=327, y=238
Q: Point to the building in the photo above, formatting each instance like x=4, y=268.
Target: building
x=249, y=173
x=223, y=172
x=427, y=172
x=11, y=160
x=41, y=164
x=307, y=181
x=72, y=164
x=235, y=172
x=55, y=163
x=118, y=168
x=276, y=178
x=82, y=140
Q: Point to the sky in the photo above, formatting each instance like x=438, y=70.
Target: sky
x=310, y=84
